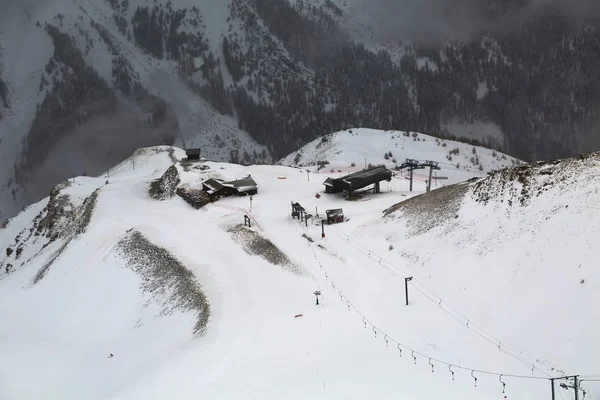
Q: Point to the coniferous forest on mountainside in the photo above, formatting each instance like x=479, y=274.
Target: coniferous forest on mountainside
x=292, y=73
x=540, y=80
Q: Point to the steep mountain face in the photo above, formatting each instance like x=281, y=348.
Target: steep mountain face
x=518, y=77
x=254, y=80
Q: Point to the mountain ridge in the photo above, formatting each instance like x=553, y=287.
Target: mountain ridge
x=235, y=78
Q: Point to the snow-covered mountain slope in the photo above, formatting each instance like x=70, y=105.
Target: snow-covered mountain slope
x=83, y=94
x=89, y=81
x=514, y=252
x=113, y=294
x=353, y=149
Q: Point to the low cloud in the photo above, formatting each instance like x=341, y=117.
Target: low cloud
x=435, y=20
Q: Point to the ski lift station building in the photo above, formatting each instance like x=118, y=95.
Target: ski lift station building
x=358, y=180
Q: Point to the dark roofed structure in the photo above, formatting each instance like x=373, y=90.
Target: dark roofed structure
x=218, y=188
x=215, y=187
x=245, y=185
x=193, y=154
x=212, y=184
x=358, y=180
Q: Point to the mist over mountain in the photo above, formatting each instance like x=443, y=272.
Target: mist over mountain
x=448, y=20
x=251, y=81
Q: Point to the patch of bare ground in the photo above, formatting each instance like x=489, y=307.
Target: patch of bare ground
x=429, y=210
x=166, y=279
x=255, y=244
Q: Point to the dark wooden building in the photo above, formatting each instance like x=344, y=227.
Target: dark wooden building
x=216, y=188
x=193, y=154
x=244, y=186
x=358, y=180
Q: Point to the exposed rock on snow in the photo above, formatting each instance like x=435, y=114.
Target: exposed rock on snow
x=64, y=217
x=518, y=185
x=58, y=214
x=46, y=267
x=165, y=187
x=514, y=186
x=168, y=281
x=431, y=209
x=70, y=229
x=255, y=244
x=87, y=210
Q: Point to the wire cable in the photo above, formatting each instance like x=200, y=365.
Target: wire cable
x=430, y=295
x=445, y=307
x=399, y=344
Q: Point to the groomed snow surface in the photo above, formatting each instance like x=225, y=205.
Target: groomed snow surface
x=523, y=274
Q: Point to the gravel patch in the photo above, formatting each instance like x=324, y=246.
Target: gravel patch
x=255, y=244
x=429, y=210
x=166, y=279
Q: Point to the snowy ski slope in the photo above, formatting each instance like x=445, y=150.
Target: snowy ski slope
x=513, y=271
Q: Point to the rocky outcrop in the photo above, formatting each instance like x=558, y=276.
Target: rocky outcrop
x=519, y=185
x=165, y=187
x=426, y=211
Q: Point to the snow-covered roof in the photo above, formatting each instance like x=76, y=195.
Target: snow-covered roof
x=247, y=181
x=213, y=184
x=244, y=189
